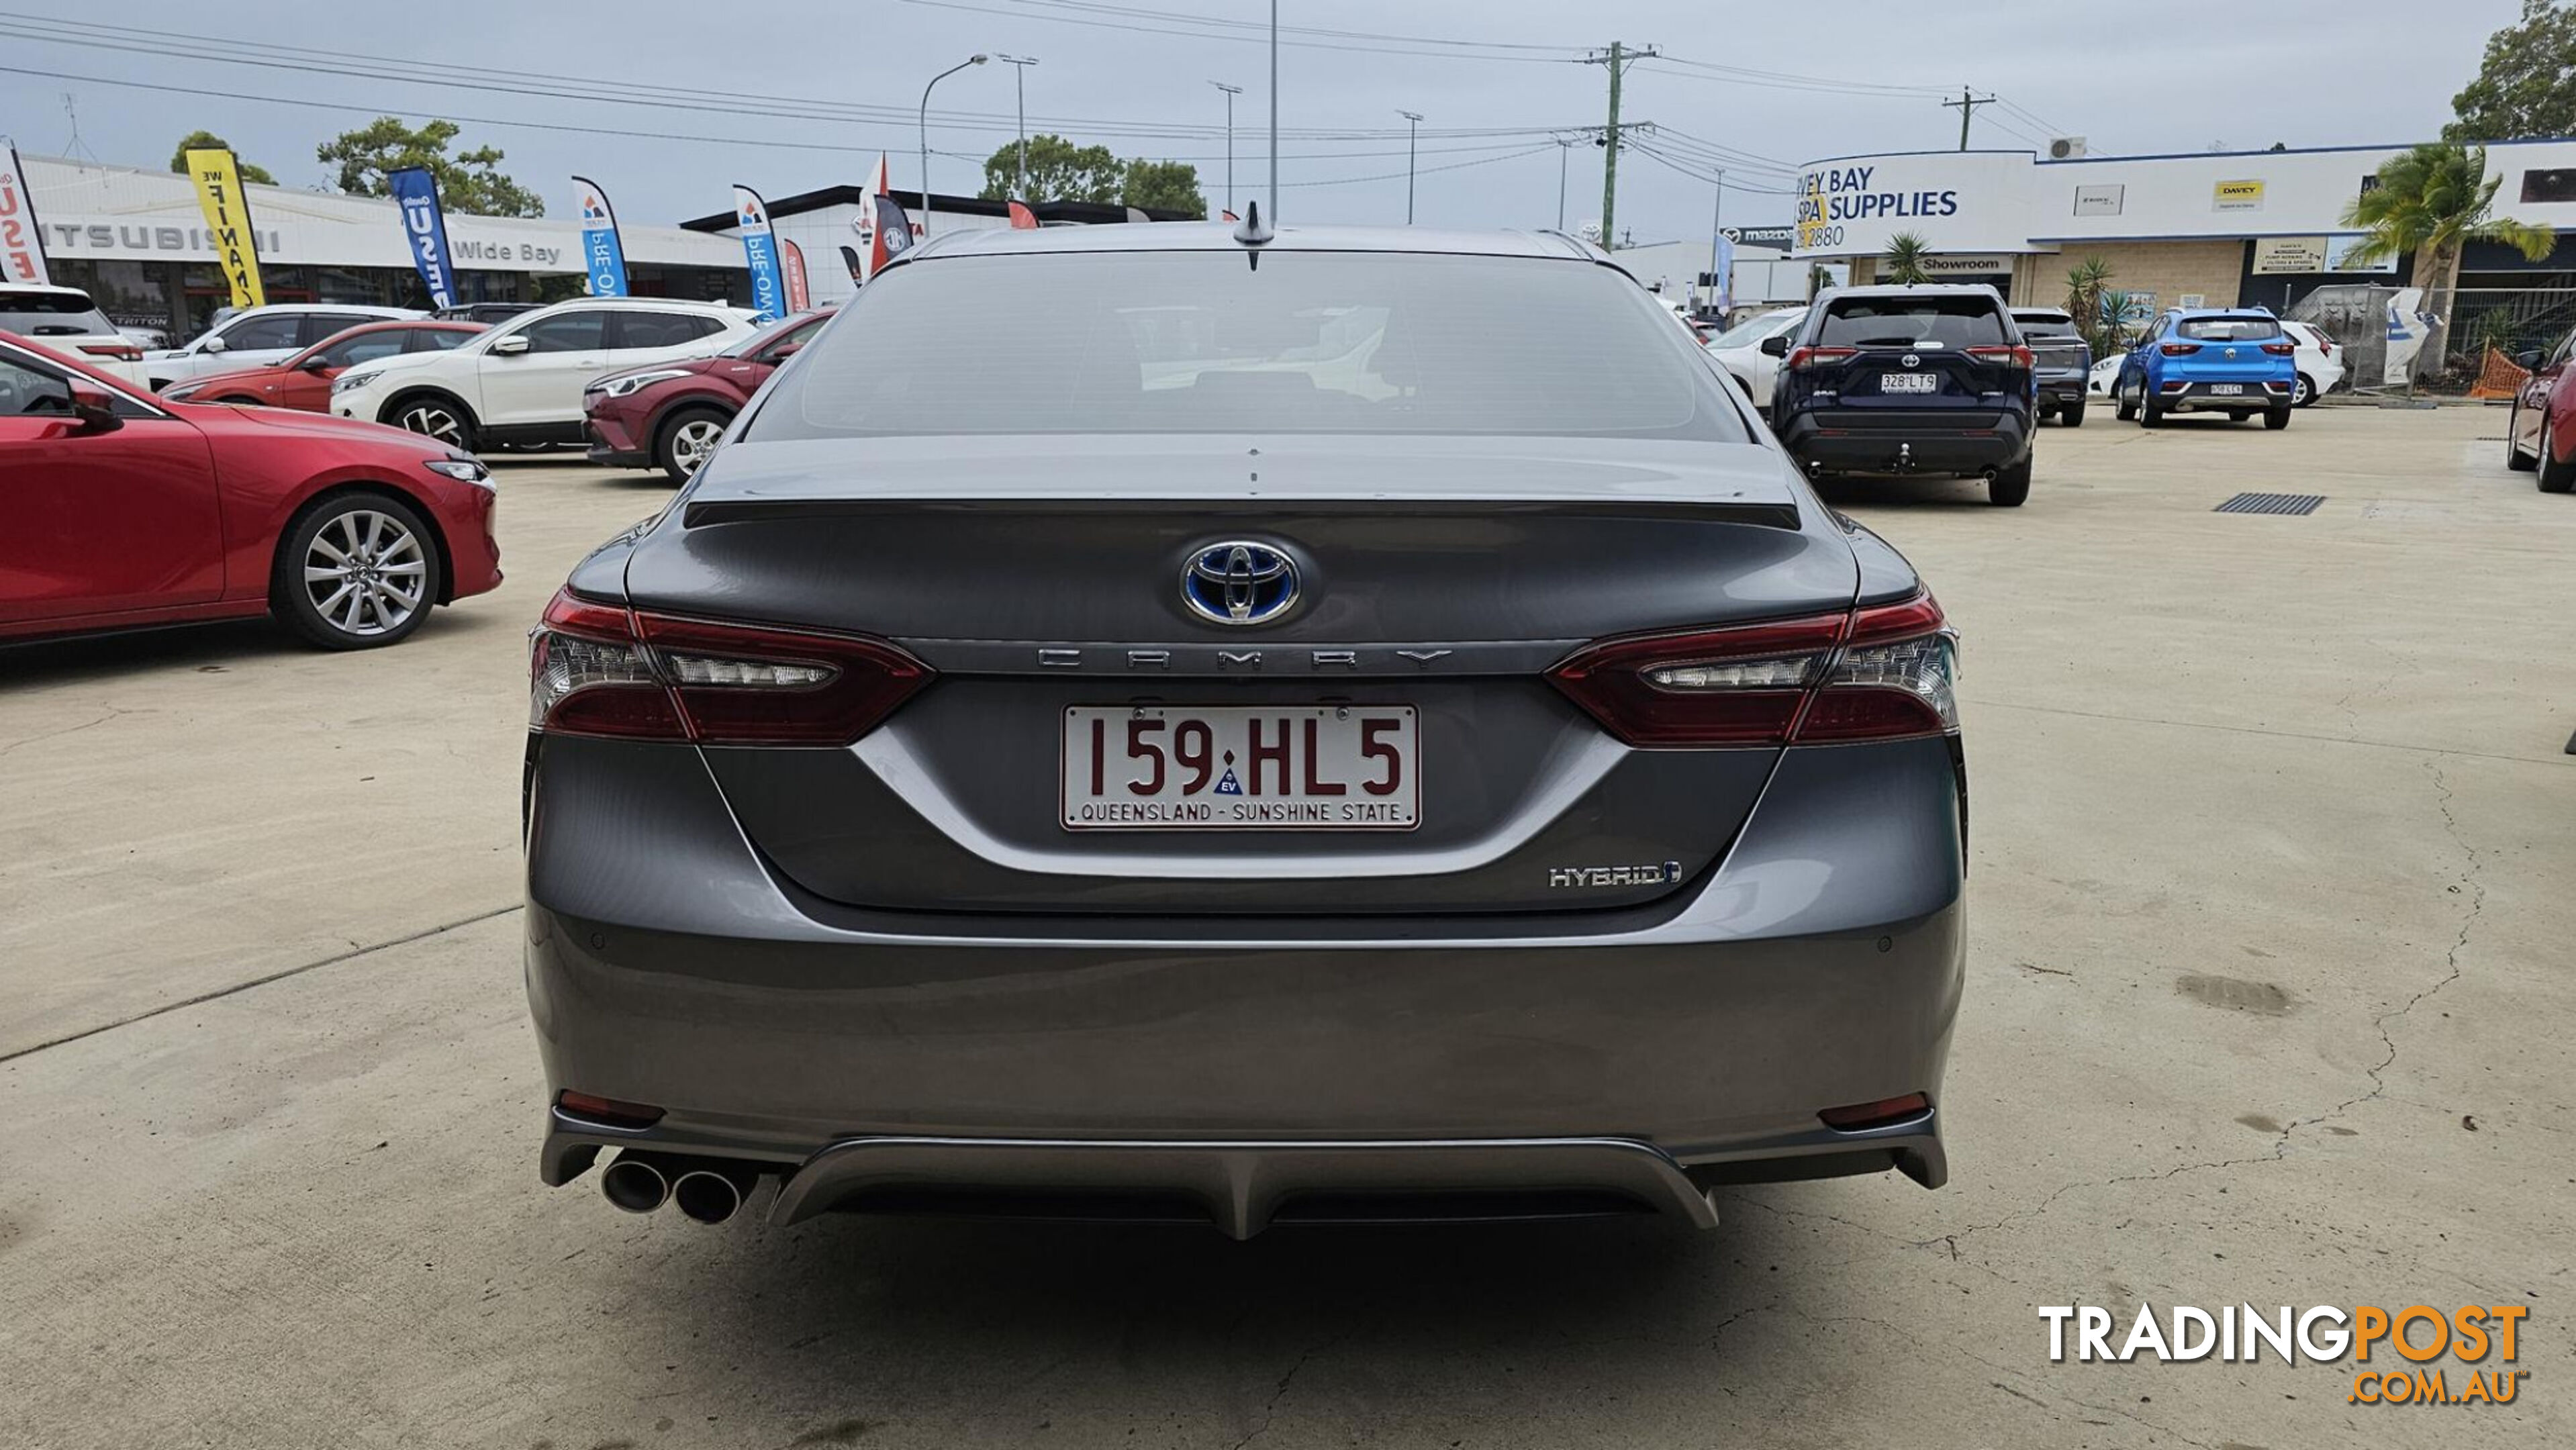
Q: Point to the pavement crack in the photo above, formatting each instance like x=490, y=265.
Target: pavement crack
x=280, y=975
x=2475, y=890
x=1270, y=1408
x=112, y=713
x=2468, y=884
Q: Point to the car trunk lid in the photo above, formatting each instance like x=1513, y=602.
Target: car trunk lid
x=1438, y=580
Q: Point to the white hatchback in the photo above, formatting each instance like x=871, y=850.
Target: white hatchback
x=520, y=384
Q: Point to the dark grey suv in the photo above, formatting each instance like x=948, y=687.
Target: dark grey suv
x=1179, y=722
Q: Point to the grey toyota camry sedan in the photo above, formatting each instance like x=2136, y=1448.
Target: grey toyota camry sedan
x=1185, y=722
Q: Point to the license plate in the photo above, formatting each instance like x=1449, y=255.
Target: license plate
x=1223, y=767
x=1909, y=382
x=2226, y=390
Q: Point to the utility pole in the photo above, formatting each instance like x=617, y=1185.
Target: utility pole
x=1019, y=65
x=1412, y=125
x=1968, y=103
x=1618, y=57
x=1230, y=93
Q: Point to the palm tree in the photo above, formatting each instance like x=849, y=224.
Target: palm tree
x=2088, y=285
x=1906, y=253
x=2433, y=201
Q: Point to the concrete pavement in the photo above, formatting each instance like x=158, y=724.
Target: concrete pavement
x=2269, y=1001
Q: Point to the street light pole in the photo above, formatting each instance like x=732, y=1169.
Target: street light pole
x=1716, y=215
x=1230, y=93
x=1019, y=65
x=1274, y=113
x=925, y=133
x=1564, y=149
x=1412, y=125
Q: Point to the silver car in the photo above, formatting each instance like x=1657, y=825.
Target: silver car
x=1185, y=722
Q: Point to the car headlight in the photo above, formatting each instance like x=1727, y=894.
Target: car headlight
x=460, y=468
x=345, y=381
x=183, y=392
x=625, y=383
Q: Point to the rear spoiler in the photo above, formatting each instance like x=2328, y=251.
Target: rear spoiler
x=1757, y=513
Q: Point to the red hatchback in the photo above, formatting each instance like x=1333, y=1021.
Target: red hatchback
x=671, y=415
x=304, y=380
x=127, y=510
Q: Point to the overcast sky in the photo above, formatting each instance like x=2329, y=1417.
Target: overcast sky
x=2357, y=72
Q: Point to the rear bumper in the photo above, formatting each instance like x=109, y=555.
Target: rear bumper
x=1911, y=447
x=1249, y=1066
x=2195, y=394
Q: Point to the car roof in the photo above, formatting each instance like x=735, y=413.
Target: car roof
x=1220, y=237
x=1914, y=289
x=2247, y=312
x=54, y=287
x=683, y=304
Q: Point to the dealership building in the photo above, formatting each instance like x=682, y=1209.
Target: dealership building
x=2216, y=229
x=135, y=240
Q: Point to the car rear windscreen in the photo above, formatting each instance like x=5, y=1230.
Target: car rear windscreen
x=2043, y=325
x=1234, y=342
x=1912, y=322
x=2228, y=329
x=52, y=314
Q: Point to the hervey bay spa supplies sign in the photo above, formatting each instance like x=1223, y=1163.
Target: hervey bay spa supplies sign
x=1835, y=196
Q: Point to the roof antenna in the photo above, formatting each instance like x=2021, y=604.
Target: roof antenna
x=1250, y=231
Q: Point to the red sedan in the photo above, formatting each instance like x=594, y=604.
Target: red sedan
x=671, y=415
x=2540, y=434
x=304, y=380
x=127, y=510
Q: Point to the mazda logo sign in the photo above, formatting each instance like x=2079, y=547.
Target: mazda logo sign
x=1239, y=582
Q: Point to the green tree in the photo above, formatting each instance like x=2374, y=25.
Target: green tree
x=2088, y=287
x=209, y=141
x=1164, y=186
x=2432, y=201
x=469, y=182
x=2527, y=84
x=1903, y=264
x=1058, y=171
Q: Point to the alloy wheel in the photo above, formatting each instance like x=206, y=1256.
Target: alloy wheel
x=365, y=573
x=436, y=422
x=693, y=440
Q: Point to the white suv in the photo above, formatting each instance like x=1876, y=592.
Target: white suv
x=257, y=335
x=66, y=320
x=520, y=384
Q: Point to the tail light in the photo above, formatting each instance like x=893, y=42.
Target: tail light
x=1880, y=673
x=2020, y=357
x=121, y=351
x=601, y=669
x=2280, y=349
x=2179, y=349
x=1807, y=357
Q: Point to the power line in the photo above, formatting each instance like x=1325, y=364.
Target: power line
x=1427, y=170
x=1261, y=39
x=561, y=88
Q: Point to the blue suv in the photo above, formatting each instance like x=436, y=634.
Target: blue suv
x=2235, y=361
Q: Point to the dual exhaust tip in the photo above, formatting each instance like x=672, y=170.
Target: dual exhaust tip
x=705, y=1190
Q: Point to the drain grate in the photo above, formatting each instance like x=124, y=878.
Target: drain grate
x=2272, y=503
